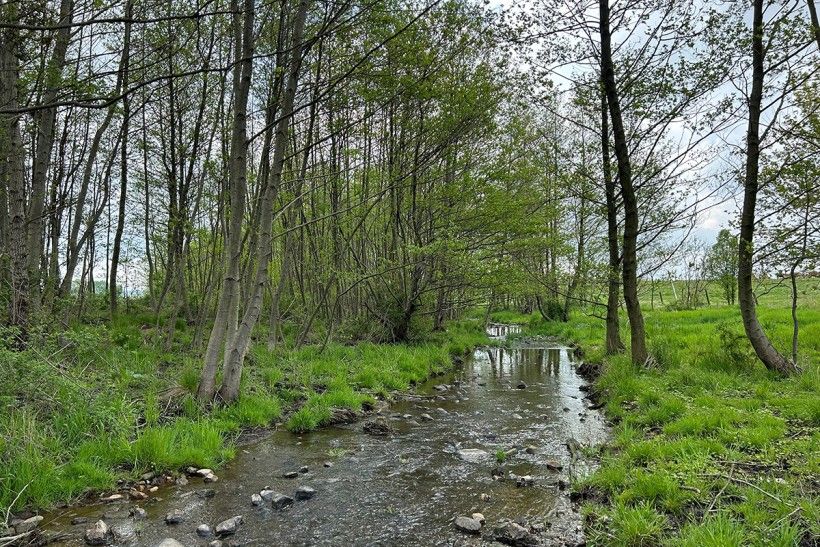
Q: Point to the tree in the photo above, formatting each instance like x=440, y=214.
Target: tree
x=721, y=264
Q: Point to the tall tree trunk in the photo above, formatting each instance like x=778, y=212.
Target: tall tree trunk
x=239, y=345
x=45, y=143
x=631, y=221
x=126, y=114
x=227, y=307
x=614, y=344
x=13, y=169
x=763, y=347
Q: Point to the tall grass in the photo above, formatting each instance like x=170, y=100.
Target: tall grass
x=84, y=408
x=709, y=447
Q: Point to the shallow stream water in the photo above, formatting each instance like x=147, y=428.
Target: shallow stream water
x=404, y=488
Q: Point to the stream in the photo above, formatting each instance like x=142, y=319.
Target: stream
x=404, y=488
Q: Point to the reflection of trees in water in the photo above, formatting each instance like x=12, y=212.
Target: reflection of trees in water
x=526, y=362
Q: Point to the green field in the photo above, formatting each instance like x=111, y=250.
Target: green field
x=708, y=447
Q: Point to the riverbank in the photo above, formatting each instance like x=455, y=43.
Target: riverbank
x=488, y=438
x=709, y=448
x=101, y=405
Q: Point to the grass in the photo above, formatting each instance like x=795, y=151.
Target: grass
x=82, y=409
x=708, y=448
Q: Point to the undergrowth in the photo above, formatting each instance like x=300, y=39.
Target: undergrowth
x=84, y=408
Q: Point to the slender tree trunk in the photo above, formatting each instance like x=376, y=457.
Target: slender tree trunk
x=233, y=366
x=15, y=183
x=763, y=347
x=126, y=105
x=631, y=221
x=42, y=152
x=227, y=307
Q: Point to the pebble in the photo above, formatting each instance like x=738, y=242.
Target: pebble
x=531, y=450
x=473, y=455
x=256, y=500
x=426, y=417
x=479, y=517
x=521, y=385
x=28, y=525
x=304, y=469
x=174, y=517
x=113, y=497
x=468, y=525
x=98, y=535
x=203, y=530
x=305, y=493
x=554, y=465
x=79, y=520
x=290, y=474
x=526, y=480
x=139, y=513
x=228, y=527
x=280, y=501
x=328, y=464
x=169, y=542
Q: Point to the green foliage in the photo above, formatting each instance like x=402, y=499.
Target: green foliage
x=721, y=264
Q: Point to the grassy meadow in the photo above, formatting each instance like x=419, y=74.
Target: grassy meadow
x=103, y=402
x=708, y=447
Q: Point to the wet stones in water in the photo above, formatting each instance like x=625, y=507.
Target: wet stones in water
x=473, y=455
x=135, y=494
x=479, y=517
x=99, y=534
x=228, y=527
x=112, y=498
x=426, y=418
x=304, y=469
x=207, y=475
x=531, y=450
x=441, y=387
x=554, y=465
x=169, y=542
x=290, y=474
x=304, y=493
x=524, y=481
x=328, y=464
x=514, y=534
x=280, y=501
x=378, y=427
x=468, y=525
x=174, y=517
x=207, y=493
x=521, y=385
x=203, y=530
x=139, y=513
x=256, y=500
x=79, y=520
x=25, y=526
